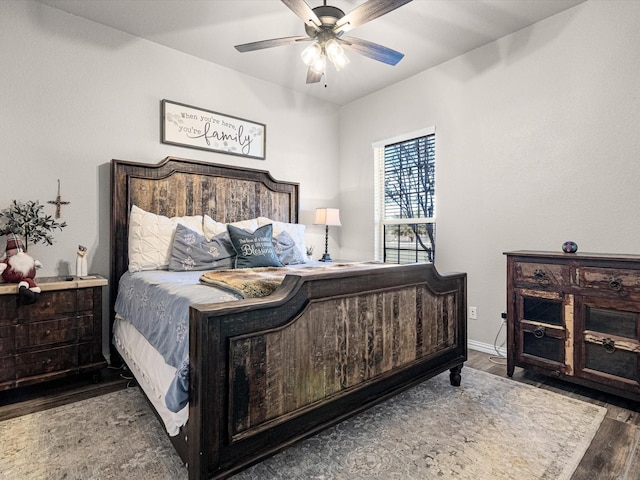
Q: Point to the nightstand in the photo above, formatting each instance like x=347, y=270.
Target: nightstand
x=58, y=336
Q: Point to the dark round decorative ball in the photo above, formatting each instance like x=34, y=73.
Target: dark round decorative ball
x=569, y=247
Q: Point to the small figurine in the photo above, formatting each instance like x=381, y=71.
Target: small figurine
x=81, y=261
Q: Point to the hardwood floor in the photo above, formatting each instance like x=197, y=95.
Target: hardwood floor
x=614, y=452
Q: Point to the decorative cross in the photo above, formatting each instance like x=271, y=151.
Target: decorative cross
x=57, y=202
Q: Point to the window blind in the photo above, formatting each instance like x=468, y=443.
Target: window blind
x=409, y=179
x=404, y=191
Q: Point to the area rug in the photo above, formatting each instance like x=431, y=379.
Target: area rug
x=488, y=428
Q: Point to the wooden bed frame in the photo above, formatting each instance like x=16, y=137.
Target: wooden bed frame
x=265, y=373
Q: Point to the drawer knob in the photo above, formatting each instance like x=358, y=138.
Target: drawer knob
x=47, y=333
x=609, y=345
x=539, y=332
x=540, y=276
x=615, y=284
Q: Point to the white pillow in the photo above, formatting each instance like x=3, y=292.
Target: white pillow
x=151, y=238
x=295, y=230
x=212, y=228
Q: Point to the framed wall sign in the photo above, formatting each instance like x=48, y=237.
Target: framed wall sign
x=195, y=127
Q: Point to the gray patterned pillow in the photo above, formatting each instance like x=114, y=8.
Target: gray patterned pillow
x=192, y=251
x=286, y=249
x=253, y=249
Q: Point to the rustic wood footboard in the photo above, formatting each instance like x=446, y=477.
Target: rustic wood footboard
x=266, y=373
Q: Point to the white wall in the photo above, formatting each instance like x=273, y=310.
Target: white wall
x=537, y=142
x=75, y=94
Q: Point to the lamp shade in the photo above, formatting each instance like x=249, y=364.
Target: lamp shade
x=327, y=216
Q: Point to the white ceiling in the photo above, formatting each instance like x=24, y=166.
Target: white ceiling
x=428, y=32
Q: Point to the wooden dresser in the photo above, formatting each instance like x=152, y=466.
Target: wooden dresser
x=575, y=316
x=59, y=335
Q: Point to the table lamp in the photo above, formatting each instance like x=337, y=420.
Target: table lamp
x=327, y=217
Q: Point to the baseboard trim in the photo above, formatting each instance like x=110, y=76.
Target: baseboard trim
x=486, y=348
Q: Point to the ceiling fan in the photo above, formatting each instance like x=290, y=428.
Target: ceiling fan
x=325, y=26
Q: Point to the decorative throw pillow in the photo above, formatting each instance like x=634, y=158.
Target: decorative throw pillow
x=295, y=231
x=286, y=249
x=253, y=249
x=151, y=237
x=192, y=251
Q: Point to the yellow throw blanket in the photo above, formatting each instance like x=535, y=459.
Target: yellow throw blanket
x=262, y=281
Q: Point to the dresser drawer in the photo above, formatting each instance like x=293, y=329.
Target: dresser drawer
x=621, y=282
x=610, y=359
x=8, y=309
x=64, y=330
x=7, y=335
x=49, y=304
x=543, y=342
x=90, y=354
x=7, y=368
x=85, y=299
x=88, y=328
x=46, y=361
x=542, y=275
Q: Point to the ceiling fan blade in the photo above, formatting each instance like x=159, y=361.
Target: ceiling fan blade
x=313, y=76
x=274, y=42
x=365, y=13
x=301, y=9
x=372, y=50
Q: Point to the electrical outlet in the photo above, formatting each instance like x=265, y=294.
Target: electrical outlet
x=473, y=313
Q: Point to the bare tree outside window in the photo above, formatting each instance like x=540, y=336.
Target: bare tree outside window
x=409, y=194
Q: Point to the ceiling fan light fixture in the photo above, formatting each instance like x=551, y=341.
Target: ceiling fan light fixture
x=320, y=64
x=311, y=54
x=336, y=54
x=324, y=26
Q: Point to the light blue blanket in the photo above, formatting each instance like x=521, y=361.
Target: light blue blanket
x=157, y=303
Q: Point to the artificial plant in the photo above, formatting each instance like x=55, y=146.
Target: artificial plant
x=30, y=222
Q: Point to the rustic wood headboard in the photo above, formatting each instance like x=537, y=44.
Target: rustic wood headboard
x=178, y=187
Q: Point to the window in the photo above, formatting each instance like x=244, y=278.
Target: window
x=405, y=198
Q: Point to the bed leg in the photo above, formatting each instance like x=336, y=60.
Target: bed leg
x=454, y=375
